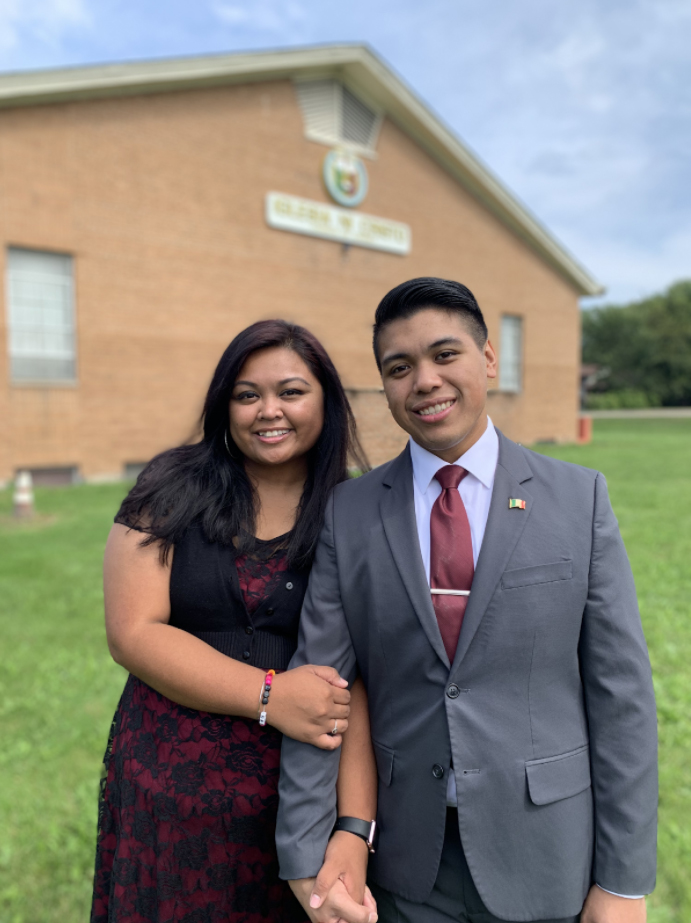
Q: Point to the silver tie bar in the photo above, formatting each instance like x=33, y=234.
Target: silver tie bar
x=450, y=592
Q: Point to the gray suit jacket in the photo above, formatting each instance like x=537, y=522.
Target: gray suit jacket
x=546, y=715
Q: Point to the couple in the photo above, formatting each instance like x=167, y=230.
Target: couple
x=470, y=600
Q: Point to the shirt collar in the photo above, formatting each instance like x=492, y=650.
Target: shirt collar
x=480, y=460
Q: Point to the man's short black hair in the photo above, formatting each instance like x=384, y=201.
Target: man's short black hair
x=427, y=292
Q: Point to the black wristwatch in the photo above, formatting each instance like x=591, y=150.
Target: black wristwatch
x=365, y=829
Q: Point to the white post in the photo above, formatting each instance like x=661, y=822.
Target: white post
x=23, y=495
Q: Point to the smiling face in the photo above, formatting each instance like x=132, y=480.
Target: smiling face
x=435, y=380
x=276, y=408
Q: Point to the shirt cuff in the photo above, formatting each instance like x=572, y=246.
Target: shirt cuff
x=629, y=897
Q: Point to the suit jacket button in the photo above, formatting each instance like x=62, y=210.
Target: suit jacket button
x=246, y=655
x=270, y=610
x=249, y=630
x=438, y=771
x=453, y=691
x=289, y=585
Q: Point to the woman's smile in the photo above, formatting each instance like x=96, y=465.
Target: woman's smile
x=276, y=410
x=273, y=436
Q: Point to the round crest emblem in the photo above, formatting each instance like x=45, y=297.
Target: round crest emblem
x=345, y=178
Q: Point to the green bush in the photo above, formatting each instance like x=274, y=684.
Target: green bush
x=626, y=398
x=645, y=346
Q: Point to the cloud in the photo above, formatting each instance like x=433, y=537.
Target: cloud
x=284, y=20
x=583, y=110
x=45, y=21
x=633, y=272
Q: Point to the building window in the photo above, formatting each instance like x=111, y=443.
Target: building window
x=334, y=115
x=53, y=477
x=40, y=300
x=132, y=470
x=511, y=354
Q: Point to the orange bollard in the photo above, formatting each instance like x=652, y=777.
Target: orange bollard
x=585, y=430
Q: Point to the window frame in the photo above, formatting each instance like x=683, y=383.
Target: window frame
x=49, y=381
x=515, y=386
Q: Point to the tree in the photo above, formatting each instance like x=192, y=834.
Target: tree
x=645, y=345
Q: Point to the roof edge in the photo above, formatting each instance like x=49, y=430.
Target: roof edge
x=430, y=131
x=358, y=64
x=22, y=88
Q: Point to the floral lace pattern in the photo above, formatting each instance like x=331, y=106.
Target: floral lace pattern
x=260, y=571
x=188, y=808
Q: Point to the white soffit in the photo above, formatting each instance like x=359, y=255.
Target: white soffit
x=359, y=69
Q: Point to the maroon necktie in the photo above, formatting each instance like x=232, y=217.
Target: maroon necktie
x=451, y=555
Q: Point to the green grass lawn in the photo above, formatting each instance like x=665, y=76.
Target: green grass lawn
x=59, y=688
x=647, y=464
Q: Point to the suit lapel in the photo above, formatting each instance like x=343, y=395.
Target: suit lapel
x=398, y=516
x=504, y=529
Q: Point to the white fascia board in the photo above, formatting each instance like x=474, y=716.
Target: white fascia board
x=357, y=65
x=404, y=107
x=139, y=77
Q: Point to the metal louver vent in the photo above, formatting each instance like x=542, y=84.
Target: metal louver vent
x=334, y=115
x=358, y=122
x=320, y=104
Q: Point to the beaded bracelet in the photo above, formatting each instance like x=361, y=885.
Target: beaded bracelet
x=264, y=698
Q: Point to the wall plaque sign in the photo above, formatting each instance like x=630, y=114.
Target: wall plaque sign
x=345, y=178
x=316, y=219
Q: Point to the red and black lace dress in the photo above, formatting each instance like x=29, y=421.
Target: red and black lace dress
x=188, y=806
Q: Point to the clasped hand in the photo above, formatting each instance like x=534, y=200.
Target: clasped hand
x=307, y=703
x=339, y=893
x=602, y=907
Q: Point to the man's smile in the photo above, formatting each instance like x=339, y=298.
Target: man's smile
x=434, y=412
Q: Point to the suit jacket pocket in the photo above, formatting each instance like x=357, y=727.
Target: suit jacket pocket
x=384, y=757
x=558, y=777
x=539, y=573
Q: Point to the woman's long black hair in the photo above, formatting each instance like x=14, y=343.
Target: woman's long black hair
x=207, y=480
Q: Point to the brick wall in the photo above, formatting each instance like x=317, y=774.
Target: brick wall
x=160, y=199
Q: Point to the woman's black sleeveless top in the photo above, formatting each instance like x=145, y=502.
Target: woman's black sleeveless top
x=206, y=601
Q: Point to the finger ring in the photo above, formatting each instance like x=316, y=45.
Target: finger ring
x=333, y=732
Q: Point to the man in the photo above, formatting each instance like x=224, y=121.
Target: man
x=512, y=714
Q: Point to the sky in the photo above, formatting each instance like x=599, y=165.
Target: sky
x=582, y=109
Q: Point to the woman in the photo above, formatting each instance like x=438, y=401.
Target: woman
x=198, y=609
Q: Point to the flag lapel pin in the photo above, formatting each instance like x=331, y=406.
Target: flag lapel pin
x=516, y=504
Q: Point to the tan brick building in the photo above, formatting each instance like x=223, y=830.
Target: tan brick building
x=137, y=239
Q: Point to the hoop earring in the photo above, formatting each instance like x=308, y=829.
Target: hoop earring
x=228, y=450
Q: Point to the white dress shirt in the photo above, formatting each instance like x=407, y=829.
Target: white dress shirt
x=480, y=461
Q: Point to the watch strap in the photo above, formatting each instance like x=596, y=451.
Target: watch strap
x=365, y=829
